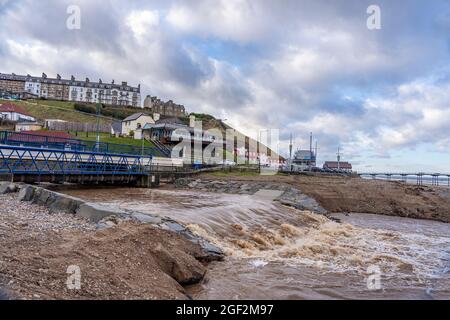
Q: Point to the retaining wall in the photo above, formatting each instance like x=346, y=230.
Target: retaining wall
x=104, y=217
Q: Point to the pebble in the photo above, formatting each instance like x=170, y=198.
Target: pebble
x=16, y=214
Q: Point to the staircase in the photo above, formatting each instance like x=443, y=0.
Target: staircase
x=161, y=147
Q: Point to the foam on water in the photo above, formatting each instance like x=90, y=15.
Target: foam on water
x=336, y=247
x=259, y=263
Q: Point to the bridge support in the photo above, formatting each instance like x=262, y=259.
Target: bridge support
x=149, y=181
x=77, y=179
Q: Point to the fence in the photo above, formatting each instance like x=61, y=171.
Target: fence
x=32, y=161
x=47, y=142
x=77, y=126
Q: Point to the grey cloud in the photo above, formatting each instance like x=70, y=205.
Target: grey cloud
x=296, y=60
x=46, y=21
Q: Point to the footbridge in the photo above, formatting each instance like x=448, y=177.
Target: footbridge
x=36, y=158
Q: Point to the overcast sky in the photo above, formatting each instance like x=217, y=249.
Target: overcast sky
x=298, y=66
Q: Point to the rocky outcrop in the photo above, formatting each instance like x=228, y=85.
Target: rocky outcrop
x=287, y=196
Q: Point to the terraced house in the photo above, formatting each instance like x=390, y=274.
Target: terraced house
x=72, y=90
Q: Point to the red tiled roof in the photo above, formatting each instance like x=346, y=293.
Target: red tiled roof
x=53, y=134
x=9, y=107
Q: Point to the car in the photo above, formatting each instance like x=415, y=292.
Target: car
x=229, y=163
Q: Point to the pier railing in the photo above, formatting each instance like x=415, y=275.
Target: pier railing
x=420, y=178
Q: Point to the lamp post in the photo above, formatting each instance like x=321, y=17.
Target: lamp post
x=143, y=141
x=98, y=106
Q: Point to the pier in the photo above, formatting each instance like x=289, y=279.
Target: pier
x=421, y=178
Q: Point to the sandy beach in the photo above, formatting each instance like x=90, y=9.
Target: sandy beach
x=353, y=194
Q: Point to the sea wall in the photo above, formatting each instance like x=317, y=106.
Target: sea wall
x=104, y=217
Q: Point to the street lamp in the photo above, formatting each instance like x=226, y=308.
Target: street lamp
x=98, y=107
x=143, y=141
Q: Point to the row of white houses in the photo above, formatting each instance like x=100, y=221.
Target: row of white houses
x=73, y=90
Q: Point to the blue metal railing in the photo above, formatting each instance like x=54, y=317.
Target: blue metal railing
x=164, y=150
x=28, y=160
x=54, y=142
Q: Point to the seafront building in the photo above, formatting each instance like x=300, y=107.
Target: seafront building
x=83, y=91
x=335, y=165
x=134, y=123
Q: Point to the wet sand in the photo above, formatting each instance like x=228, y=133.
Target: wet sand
x=353, y=194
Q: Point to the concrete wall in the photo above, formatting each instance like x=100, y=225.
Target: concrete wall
x=58, y=202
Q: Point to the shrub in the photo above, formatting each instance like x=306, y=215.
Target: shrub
x=119, y=113
x=85, y=108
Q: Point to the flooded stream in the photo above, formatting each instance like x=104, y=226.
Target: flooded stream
x=276, y=252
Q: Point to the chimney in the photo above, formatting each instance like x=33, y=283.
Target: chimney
x=44, y=76
x=192, y=121
x=72, y=78
x=58, y=77
x=139, y=87
x=87, y=79
x=100, y=81
x=112, y=81
x=156, y=116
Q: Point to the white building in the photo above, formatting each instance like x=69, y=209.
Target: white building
x=11, y=112
x=135, y=122
x=99, y=92
x=73, y=90
x=33, y=87
x=28, y=126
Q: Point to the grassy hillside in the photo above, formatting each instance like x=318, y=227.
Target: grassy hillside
x=105, y=137
x=209, y=122
x=116, y=112
x=43, y=109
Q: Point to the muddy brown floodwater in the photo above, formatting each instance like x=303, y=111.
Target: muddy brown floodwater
x=276, y=252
